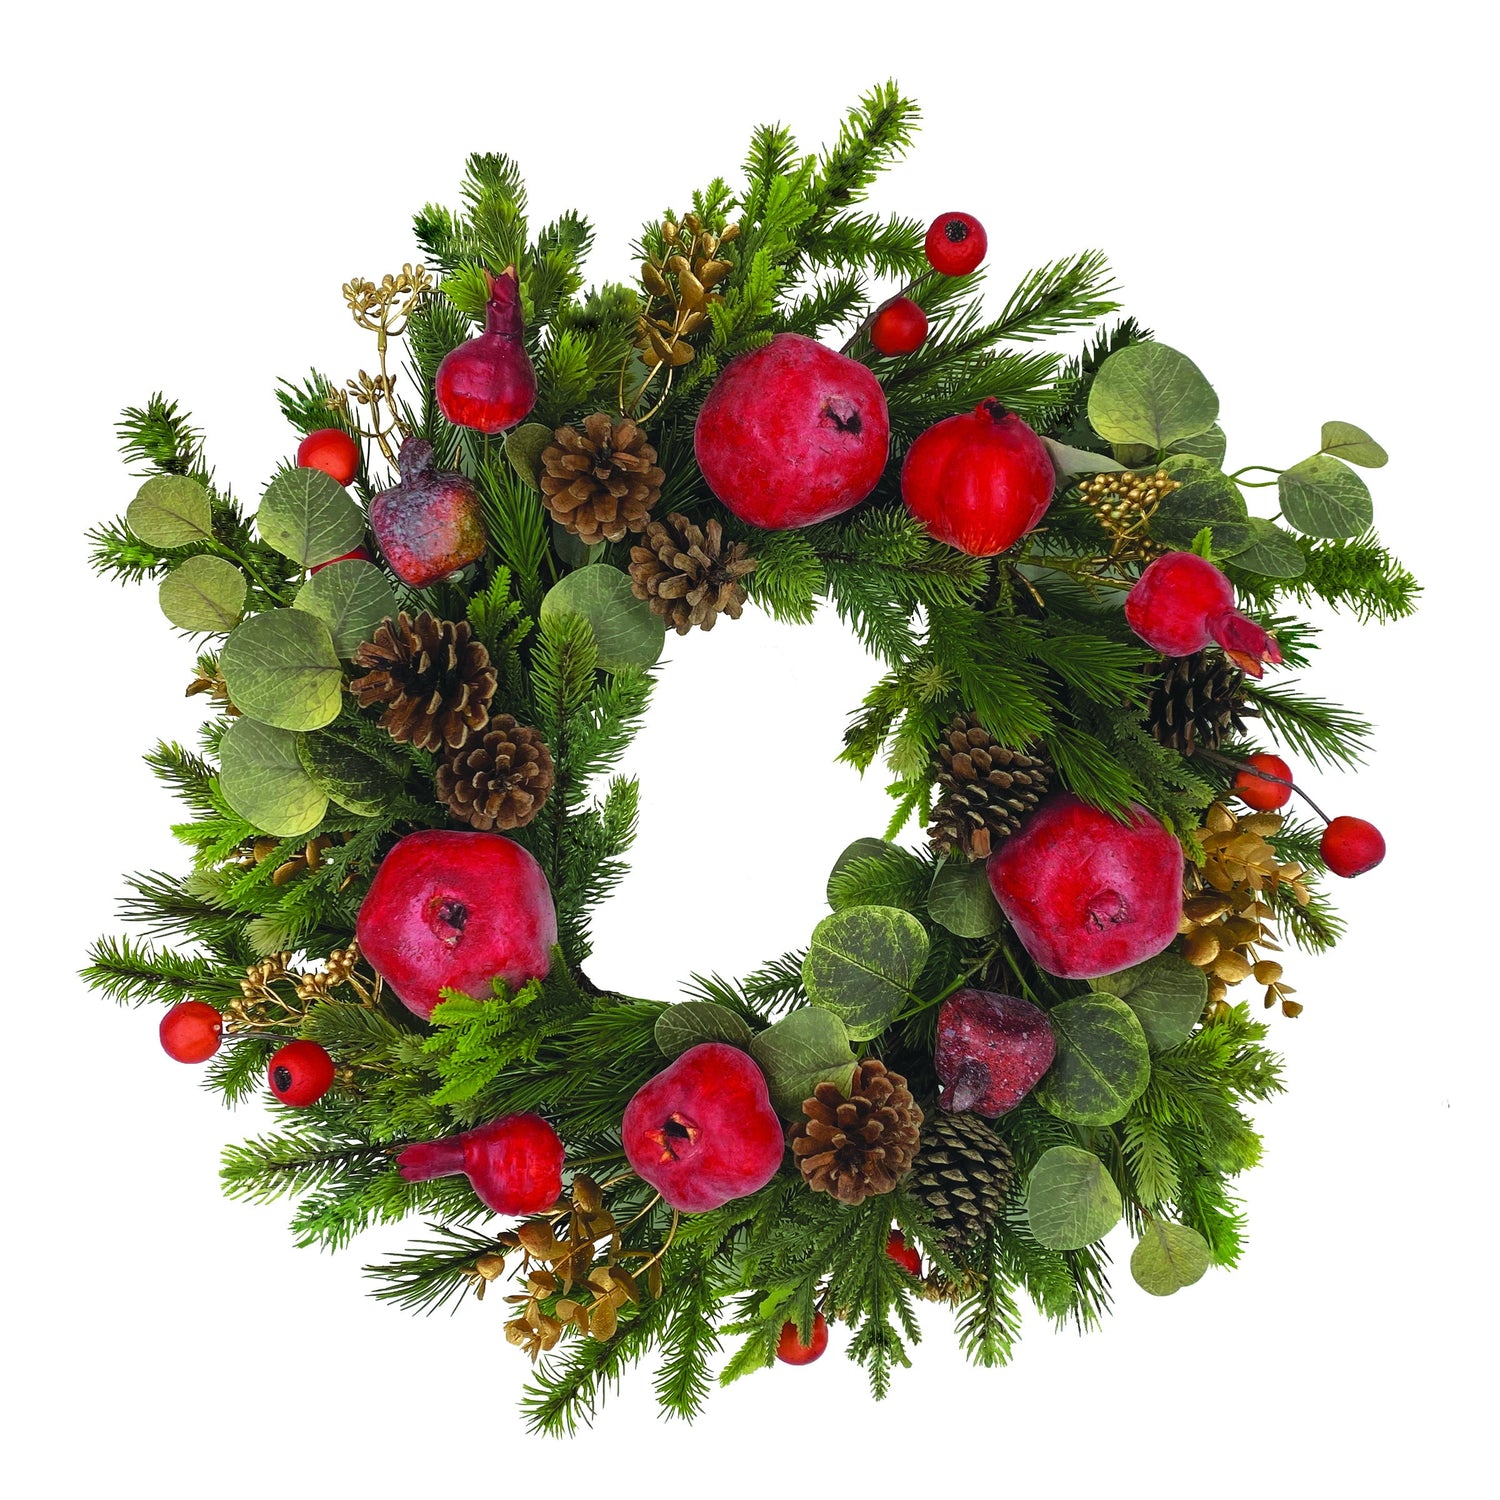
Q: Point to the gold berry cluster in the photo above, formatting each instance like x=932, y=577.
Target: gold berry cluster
x=1124, y=503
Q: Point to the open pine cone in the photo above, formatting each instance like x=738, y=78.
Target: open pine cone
x=987, y=789
x=687, y=574
x=1197, y=702
x=500, y=779
x=435, y=677
x=963, y=1174
x=602, y=482
x=861, y=1144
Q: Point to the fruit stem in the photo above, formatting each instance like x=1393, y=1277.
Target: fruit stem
x=869, y=322
x=1240, y=765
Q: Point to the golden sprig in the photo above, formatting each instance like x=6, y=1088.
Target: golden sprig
x=276, y=997
x=1124, y=503
x=383, y=308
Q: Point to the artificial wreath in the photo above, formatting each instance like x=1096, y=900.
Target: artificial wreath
x=439, y=630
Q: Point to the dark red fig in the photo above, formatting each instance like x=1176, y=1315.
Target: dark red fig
x=488, y=384
x=703, y=1131
x=430, y=524
x=979, y=481
x=992, y=1050
x=514, y=1163
x=1086, y=894
x=1182, y=603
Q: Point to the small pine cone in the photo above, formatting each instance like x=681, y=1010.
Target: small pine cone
x=435, y=676
x=963, y=1174
x=500, y=779
x=987, y=789
x=862, y=1144
x=1197, y=702
x=687, y=574
x=602, y=482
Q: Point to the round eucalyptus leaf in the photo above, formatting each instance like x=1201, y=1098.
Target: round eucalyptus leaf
x=309, y=517
x=858, y=850
x=1352, y=444
x=523, y=447
x=1166, y=993
x=1273, y=553
x=1168, y=1258
x=351, y=599
x=625, y=630
x=1205, y=497
x=1209, y=444
x=280, y=667
x=348, y=775
x=862, y=963
x=961, y=900
x=262, y=779
x=1323, y=497
x=171, y=510
x=1071, y=1200
x=1102, y=1065
x=806, y=1048
x=203, y=593
x=691, y=1022
x=573, y=550
x=1151, y=395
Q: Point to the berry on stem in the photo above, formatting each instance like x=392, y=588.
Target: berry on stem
x=790, y=1349
x=906, y=1256
x=1350, y=846
x=1258, y=792
x=900, y=327
x=300, y=1073
x=956, y=243
x=332, y=450
x=191, y=1031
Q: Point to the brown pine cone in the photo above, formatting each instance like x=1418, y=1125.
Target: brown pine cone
x=435, y=676
x=603, y=481
x=687, y=574
x=1197, y=702
x=499, y=779
x=963, y=1174
x=859, y=1145
x=987, y=789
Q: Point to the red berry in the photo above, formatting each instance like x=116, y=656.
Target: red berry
x=191, y=1031
x=331, y=450
x=790, y=1349
x=978, y=481
x=1350, y=846
x=903, y=1254
x=1255, y=791
x=955, y=244
x=899, y=327
x=514, y=1163
x=300, y=1073
x=358, y=555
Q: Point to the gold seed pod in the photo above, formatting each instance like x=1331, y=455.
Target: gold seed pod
x=714, y=271
x=654, y=281
x=1202, y=948
x=284, y=873
x=669, y=231
x=1231, y=967
x=1291, y=1009
x=732, y=233
x=1267, y=971
x=692, y=222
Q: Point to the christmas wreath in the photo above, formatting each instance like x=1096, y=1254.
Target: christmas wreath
x=438, y=632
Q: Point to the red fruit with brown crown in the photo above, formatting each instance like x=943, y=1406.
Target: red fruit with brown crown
x=955, y=244
x=514, y=1163
x=333, y=451
x=790, y=1349
x=300, y=1073
x=1351, y=846
x=1264, y=793
x=991, y=1051
x=450, y=909
x=978, y=481
x=430, y=524
x=488, y=383
x=702, y=1131
x=900, y=327
x=792, y=433
x=1087, y=894
x=191, y=1031
x=1182, y=603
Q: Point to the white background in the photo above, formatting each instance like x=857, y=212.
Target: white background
x=1297, y=196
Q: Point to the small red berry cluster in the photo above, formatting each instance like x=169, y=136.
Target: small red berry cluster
x=955, y=245
x=299, y=1073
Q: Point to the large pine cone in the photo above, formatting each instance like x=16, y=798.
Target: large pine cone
x=602, y=482
x=963, y=1174
x=987, y=789
x=687, y=573
x=859, y=1145
x=435, y=676
x=1197, y=702
x=500, y=779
